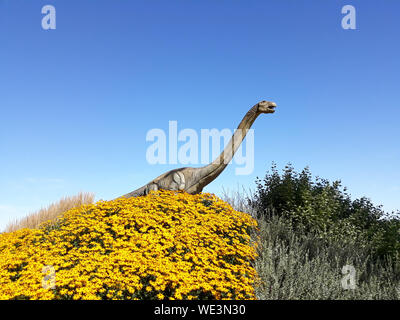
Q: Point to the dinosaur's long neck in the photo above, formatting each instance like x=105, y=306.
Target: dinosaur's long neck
x=211, y=171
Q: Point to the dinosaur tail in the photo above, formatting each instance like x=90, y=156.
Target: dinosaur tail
x=137, y=193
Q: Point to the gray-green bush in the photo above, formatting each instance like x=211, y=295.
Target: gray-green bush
x=297, y=265
x=309, y=230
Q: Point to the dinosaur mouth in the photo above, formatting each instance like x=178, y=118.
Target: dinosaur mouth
x=271, y=109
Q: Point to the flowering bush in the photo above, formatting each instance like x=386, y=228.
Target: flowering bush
x=167, y=245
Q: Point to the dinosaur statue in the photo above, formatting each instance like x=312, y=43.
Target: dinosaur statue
x=193, y=180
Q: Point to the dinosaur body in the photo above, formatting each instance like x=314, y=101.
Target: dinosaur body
x=193, y=180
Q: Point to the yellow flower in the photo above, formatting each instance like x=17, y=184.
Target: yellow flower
x=171, y=244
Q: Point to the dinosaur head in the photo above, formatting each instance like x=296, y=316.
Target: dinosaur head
x=266, y=107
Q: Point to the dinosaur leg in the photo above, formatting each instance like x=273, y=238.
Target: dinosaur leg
x=151, y=187
x=179, y=179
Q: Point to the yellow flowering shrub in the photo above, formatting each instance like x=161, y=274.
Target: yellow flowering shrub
x=167, y=245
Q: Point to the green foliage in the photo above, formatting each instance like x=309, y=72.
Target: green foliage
x=298, y=260
x=325, y=209
x=295, y=265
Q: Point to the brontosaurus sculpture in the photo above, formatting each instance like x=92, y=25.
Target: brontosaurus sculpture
x=193, y=180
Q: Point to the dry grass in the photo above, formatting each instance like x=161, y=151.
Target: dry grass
x=52, y=212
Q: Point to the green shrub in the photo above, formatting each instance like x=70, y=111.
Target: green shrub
x=326, y=209
x=297, y=261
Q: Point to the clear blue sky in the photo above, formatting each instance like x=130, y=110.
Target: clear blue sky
x=76, y=102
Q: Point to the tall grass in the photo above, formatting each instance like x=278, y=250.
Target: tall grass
x=297, y=265
x=52, y=212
